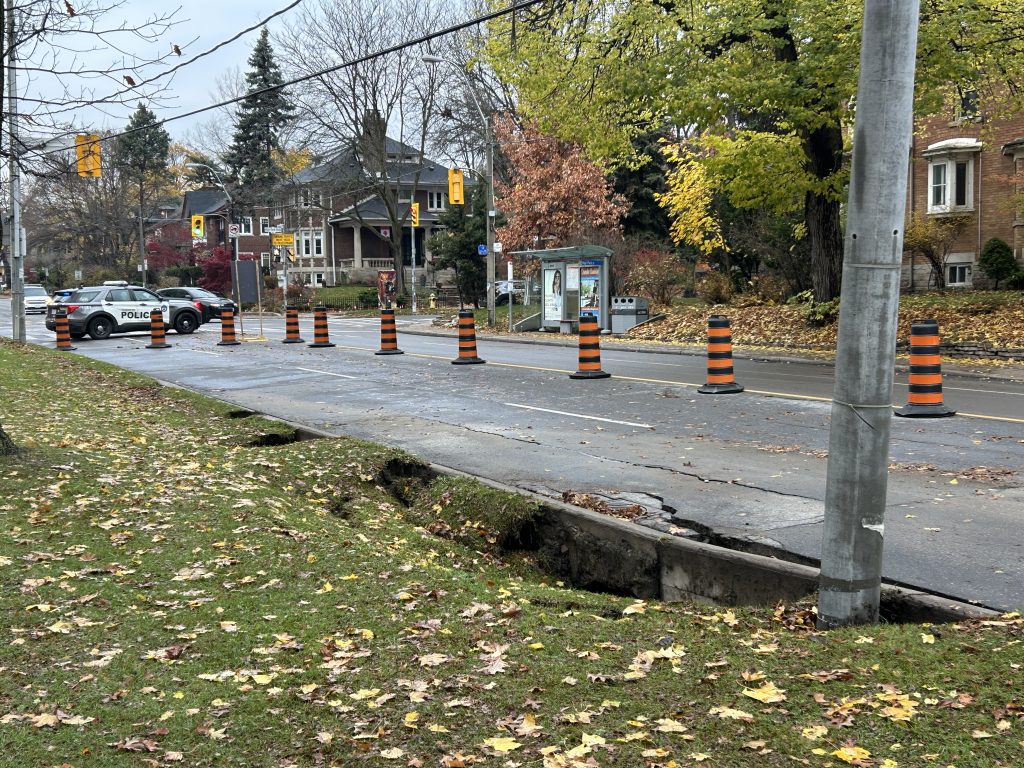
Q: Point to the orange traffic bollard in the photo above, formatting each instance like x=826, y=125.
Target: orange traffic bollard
x=321, y=337
x=63, y=330
x=590, y=350
x=467, y=340
x=156, y=327
x=291, y=326
x=227, y=329
x=388, y=334
x=720, y=376
x=925, y=398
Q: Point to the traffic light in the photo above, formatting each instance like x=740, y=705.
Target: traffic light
x=87, y=153
x=455, y=187
x=415, y=209
x=198, y=227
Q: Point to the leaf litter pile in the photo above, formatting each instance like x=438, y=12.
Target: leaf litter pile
x=988, y=319
x=174, y=595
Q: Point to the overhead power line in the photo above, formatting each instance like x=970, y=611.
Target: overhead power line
x=518, y=6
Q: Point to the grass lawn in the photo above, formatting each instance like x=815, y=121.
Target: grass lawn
x=174, y=593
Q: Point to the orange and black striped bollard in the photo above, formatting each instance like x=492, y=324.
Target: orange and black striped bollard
x=291, y=326
x=227, y=328
x=590, y=350
x=720, y=374
x=388, y=334
x=60, y=318
x=321, y=337
x=925, y=398
x=158, y=340
x=467, y=340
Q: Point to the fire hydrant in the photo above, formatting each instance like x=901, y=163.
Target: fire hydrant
x=433, y=301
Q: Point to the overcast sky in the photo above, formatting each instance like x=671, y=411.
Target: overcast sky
x=202, y=24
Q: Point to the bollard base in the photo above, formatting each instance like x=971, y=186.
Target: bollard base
x=67, y=348
x=320, y=344
x=228, y=343
x=294, y=341
x=590, y=375
x=467, y=361
x=158, y=346
x=913, y=411
x=720, y=389
x=389, y=352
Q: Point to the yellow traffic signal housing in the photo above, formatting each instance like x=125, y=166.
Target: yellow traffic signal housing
x=455, y=187
x=415, y=209
x=198, y=227
x=87, y=154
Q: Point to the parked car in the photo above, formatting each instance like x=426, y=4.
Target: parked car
x=36, y=299
x=61, y=294
x=209, y=303
x=504, y=289
x=117, y=307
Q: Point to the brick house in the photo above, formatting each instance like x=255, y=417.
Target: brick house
x=338, y=234
x=966, y=164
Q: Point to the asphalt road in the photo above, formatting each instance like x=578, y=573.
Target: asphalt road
x=749, y=466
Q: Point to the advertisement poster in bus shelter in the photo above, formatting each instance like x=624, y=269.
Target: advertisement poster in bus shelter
x=590, y=289
x=387, y=287
x=552, y=295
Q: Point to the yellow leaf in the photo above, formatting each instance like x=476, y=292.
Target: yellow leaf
x=767, y=693
x=850, y=754
x=410, y=719
x=727, y=713
x=814, y=732
x=325, y=588
x=638, y=607
x=536, y=646
x=229, y=626
x=981, y=735
x=502, y=744
x=392, y=754
x=927, y=638
x=61, y=627
x=435, y=728
x=590, y=739
x=659, y=752
x=364, y=693
x=262, y=679
x=309, y=688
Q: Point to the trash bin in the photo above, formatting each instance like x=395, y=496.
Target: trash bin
x=628, y=311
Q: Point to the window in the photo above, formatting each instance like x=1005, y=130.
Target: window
x=265, y=260
x=264, y=224
x=405, y=195
x=246, y=225
x=951, y=185
x=307, y=198
x=958, y=274
x=318, y=278
x=951, y=175
x=436, y=201
x=311, y=243
x=278, y=213
x=967, y=108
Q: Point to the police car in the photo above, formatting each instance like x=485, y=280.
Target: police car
x=117, y=307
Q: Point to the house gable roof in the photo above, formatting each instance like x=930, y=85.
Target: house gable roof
x=202, y=202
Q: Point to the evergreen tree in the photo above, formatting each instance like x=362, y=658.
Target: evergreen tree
x=141, y=153
x=456, y=247
x=997, y=261
x=261, y=116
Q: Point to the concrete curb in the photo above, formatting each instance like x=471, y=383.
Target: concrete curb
x=604, y=553
x=948, y=370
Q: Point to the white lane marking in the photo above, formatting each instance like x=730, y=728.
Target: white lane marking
x=325, y=373
x=579, y=415
x=645, y=362
x=204, y=352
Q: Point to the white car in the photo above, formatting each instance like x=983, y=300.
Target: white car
x=36, y=299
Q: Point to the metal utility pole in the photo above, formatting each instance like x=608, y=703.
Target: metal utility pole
x=17, y=255
x=855, y=493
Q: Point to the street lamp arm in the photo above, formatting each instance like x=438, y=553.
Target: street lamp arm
x=216, y=175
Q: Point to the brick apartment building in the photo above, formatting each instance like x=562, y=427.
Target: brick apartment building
x=966, y=163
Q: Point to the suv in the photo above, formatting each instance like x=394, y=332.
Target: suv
x=36, y=299
x=209, y=303
x=117, y=307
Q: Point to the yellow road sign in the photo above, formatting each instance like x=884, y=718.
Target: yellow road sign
x=279, y=239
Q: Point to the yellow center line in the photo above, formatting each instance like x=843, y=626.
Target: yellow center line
x=765, y=392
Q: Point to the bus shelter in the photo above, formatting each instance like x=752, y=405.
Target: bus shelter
x=574, y=281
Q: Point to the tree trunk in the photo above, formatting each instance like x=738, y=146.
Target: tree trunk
x=822, y=219
x=7, y=446
x=824, y=149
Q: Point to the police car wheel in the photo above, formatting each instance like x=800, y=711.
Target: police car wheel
x=100, y=328
x=186, y=323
